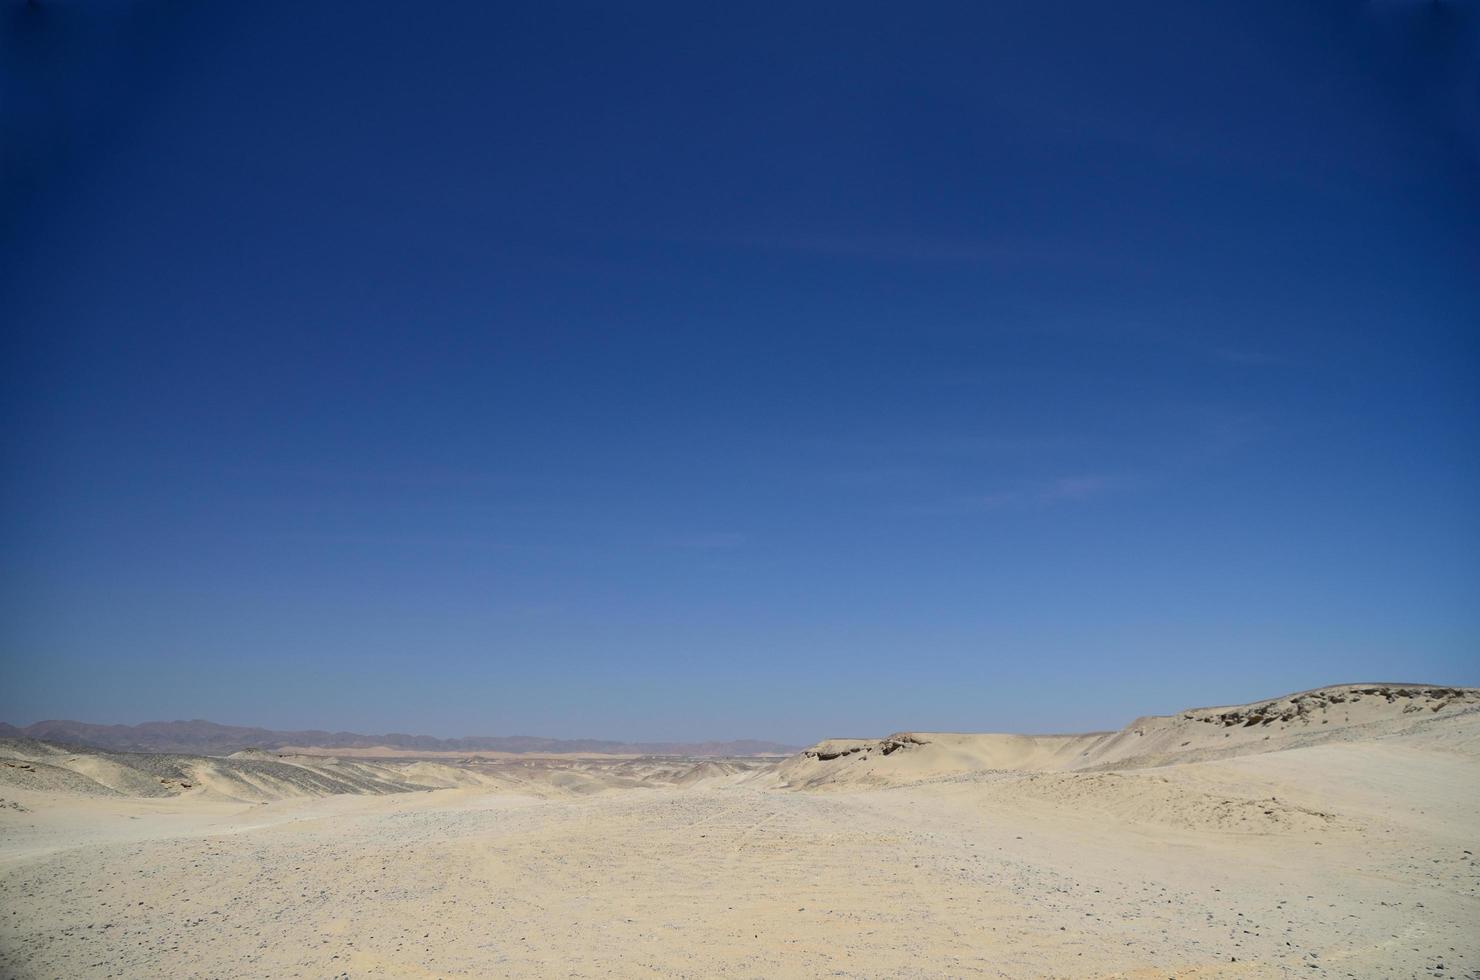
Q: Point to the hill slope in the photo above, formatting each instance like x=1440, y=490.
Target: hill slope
x=1339, y=713
x=29, y=766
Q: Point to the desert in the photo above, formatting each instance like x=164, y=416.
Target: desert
x=1330, y=833
x=792, y=490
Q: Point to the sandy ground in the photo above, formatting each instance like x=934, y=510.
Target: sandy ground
x=1353, y=856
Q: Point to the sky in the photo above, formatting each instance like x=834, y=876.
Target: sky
x=676, y=371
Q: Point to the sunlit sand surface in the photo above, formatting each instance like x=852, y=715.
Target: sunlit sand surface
x=1333, y=835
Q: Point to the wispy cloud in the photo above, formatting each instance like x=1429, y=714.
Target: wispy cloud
x=710, y=541
x=1003, y=250
x=525, y=610
x=901, y=457
x=1064, y=491
x=990, y=501
x=1247, y=357
x=1081, y=487
x=404, y=476
x=1225, y=434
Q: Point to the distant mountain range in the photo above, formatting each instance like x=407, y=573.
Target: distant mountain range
x=208, y=738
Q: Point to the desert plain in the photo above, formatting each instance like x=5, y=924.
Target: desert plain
x=1330, y=833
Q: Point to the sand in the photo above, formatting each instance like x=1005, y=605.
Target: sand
x=1339, y=841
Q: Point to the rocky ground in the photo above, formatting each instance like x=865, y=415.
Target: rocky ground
x=1355, y=857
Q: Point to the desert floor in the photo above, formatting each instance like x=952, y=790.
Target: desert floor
x=1350, y=858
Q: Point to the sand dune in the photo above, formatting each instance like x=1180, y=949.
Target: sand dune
x=1331, y=833
x=1338, y=713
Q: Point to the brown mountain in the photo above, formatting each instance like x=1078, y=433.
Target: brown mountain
x=208, y=738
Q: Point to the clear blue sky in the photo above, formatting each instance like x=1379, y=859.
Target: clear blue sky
x=774, y=370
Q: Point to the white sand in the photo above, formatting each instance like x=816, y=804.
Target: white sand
x=1293, y=848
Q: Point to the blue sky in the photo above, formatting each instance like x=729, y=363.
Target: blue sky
x=768, y=371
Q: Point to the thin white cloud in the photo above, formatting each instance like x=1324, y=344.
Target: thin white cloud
x=710, y=541
x=1081, y=487
x=1064, y=490
x=1250, y=358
